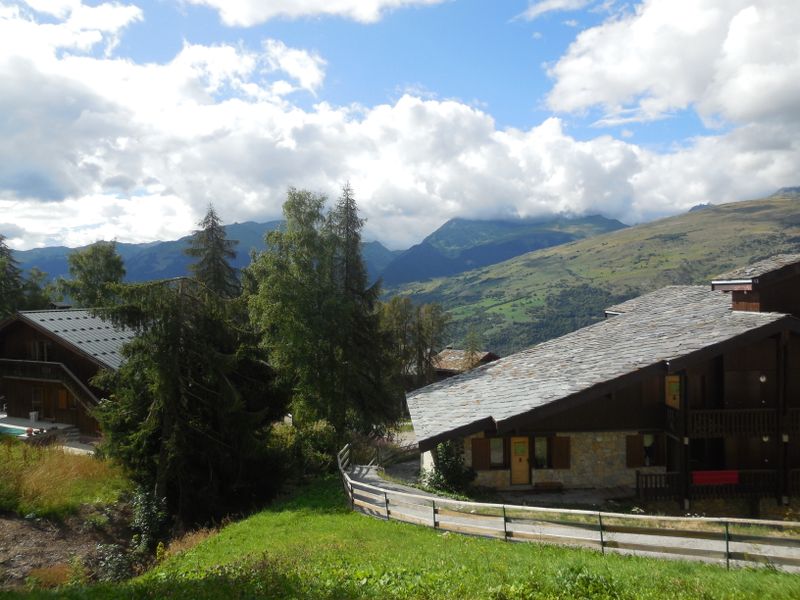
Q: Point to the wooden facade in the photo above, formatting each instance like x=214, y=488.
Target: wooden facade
x=41, y=373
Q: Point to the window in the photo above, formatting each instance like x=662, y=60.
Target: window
x=39, y=350
x=551, y=452
x=645, y=450
x=497, y=452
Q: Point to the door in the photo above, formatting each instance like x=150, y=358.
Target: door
x=520, y=465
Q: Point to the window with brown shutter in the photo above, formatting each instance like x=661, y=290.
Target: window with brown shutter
x=481, y=454
x=634, y=451
x=560, y=446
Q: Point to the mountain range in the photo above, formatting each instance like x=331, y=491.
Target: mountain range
x=542, y=294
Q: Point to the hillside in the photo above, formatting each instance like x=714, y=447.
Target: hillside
x=462, y=244
x=159, y=260
x=549, y=292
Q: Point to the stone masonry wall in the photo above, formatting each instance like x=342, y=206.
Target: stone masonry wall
x=597, y=460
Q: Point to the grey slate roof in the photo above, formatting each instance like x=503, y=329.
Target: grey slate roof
x=759, y=269
x=80, y=329
x=656, y=328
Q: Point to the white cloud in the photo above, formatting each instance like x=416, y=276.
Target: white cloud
x=97, y=147
x=731, y=60
x=537, y=9
x=247, y=13
x=308, y=68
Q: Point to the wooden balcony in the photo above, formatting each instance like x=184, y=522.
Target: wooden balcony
x=657, y=486
x=732, y=421
x=792, y=423
x=34, y=370
x=761, y=482
x=794, y=481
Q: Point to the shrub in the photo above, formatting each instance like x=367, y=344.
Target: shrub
x=449, y=473
x=308, y=449
x=111, y=563
x=148, y=521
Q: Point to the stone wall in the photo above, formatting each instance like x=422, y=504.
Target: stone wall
x=597, y=460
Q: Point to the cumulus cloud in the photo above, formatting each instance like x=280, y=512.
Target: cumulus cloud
x=733, y=61
x=94, y=146
x=247, y=13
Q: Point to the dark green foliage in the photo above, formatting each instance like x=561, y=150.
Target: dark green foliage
x=309, y=297
x=191, y=406
x=449, y=473
x=10, y=281
x=214, y=253
x=306, y=450
x=93, y=273
x=416, y=334
x=111, y=563
x=149, y=519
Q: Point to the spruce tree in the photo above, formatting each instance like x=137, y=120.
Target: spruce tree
x=10, y=281
x=213, y=251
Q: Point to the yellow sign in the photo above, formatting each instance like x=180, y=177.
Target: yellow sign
x=672, y=396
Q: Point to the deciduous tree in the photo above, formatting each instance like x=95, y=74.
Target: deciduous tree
x=93, y=273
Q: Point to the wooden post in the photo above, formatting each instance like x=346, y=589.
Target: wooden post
x=433, y=510
x=505, y=524
x=602, y=541
x=684, y=447
x=386, y=503
x=780, y=445
x=727, y=547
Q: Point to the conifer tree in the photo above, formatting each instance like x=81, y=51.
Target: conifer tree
x=213, y=251
x=10, y=281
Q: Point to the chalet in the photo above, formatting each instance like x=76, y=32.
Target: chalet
x=452, y=361
x=684, y=393
x=47, y=361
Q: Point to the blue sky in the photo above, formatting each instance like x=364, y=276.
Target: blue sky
x=125, y=119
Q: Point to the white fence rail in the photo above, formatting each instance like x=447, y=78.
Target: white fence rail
x=736, y=542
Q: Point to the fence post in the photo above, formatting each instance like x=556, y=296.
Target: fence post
x=386, y=503
x=433, y=510
x=505, y=524
x=602, y=541
x=727, y=547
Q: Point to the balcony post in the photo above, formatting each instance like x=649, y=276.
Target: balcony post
x=683, y=455
x=783, y=345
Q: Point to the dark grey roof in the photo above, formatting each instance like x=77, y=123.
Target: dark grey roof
x=79, y=328
x=759, y=269
x=668, y=324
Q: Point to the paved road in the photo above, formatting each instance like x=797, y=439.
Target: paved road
x=574, y=529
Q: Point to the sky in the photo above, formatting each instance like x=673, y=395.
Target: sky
x=124, y=120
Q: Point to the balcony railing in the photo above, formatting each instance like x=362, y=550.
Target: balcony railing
x=732, y=421
x=761, y=482
x=666, y=486
x=657, y=486
x=47, y=371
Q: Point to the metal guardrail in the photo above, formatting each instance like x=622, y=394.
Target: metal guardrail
x=737, y=542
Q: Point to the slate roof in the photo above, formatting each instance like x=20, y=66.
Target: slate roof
x=759, y=269
x=653, y=329
x=453, y=359
x=80, y=329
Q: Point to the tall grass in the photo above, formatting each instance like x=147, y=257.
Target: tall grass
x=50, y=482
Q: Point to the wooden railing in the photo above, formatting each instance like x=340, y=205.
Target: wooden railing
x=737, y=542
x=657, y=486
x=48, y=371
x=762, y=482
x=792, y=423
x=732, y=421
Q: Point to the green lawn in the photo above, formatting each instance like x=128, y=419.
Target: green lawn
x=311, y=546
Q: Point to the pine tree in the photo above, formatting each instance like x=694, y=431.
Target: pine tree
x=213, y=250
x=10, y=281
x=191, y=406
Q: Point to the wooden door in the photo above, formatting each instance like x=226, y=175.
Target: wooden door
x=520, y=464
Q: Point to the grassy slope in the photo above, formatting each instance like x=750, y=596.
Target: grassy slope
x=313, y=547
x=529, y=289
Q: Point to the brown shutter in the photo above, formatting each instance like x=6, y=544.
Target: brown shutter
x=634, y=451
x=560, y=445
x=481, y=454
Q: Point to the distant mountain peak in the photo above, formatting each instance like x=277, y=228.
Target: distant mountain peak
x=788, y=191
x=703, y=206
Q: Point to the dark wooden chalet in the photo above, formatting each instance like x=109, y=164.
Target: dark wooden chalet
x=47, y=360
x=687, y=392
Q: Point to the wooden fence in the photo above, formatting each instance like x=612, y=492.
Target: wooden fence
x=737, y=542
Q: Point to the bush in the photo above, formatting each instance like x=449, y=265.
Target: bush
x=149, y=520
x=307, y=450
x=111, y=563
x=449, y=473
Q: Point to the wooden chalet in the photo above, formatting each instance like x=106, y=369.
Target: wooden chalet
x=685, y=393
x=47, y=361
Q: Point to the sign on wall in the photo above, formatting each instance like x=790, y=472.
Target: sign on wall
x=672, y=395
